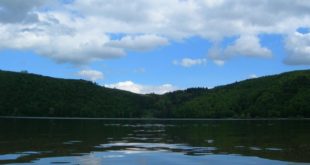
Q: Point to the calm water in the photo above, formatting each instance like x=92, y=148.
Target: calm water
x=109, y=142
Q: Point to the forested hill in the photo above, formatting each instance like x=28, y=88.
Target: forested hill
x=283, y=95
x=24, y=94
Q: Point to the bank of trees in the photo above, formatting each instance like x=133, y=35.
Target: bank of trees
x=284, y=95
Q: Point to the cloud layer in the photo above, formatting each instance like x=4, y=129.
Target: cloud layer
x=82, y=31
x=142, y=89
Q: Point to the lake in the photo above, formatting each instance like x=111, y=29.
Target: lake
x=153, y=142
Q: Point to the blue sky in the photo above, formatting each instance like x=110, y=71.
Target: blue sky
x=157, y=46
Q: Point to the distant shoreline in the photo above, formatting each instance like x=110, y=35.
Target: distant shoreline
x=145, y=119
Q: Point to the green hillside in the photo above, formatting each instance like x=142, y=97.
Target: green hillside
x=283, y=95
x=24, y=94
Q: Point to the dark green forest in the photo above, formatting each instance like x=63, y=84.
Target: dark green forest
x=284, y=95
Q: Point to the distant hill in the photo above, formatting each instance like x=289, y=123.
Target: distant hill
x=283, y=95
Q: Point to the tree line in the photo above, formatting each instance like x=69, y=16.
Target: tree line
x=283, y=95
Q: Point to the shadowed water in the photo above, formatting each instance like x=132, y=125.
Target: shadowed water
x=143, y=142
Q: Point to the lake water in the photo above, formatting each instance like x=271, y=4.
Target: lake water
x=154, y=142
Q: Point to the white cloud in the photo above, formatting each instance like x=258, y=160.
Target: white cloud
x=252, y=76
x=189, y=62
x=142, y=89
x=247, y=45
x=78, y=32
x=61, y=43
x=219, y=62
x=139, y=43
x=298, y=49
x=92, y=75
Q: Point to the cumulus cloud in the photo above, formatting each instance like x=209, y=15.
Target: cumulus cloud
x=58, y=41
x=78, y=32
x=189, y=62
x=92, y=75
x=142, y=89
x=298, y=49
x=139, y=43
x=247, y=45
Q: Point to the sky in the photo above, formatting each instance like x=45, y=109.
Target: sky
x=146, y=46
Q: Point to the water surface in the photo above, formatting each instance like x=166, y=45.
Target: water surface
x=148, y=142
